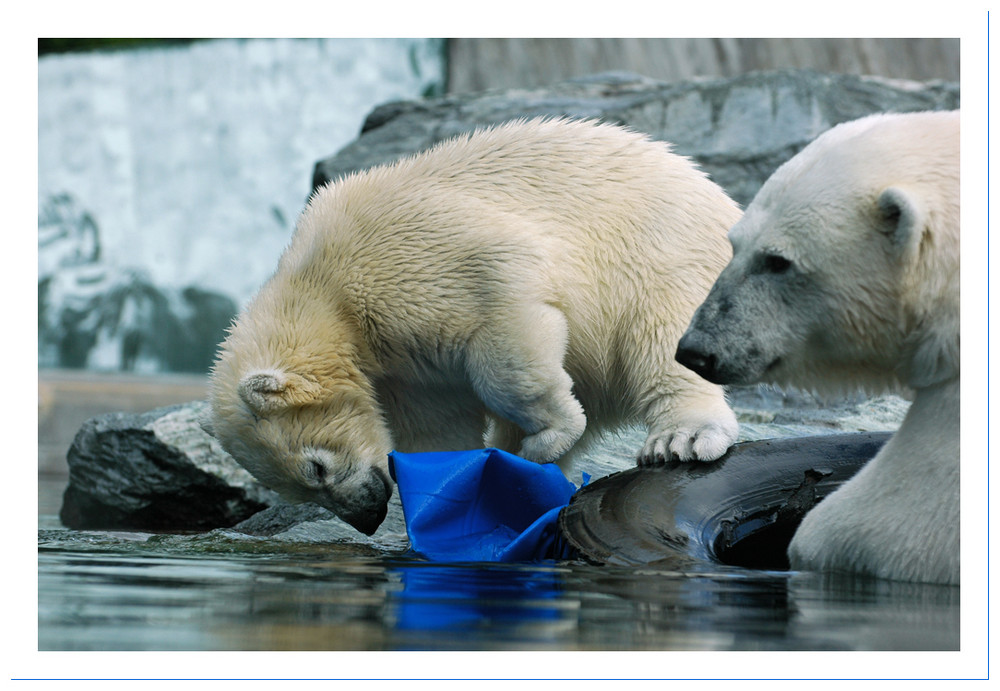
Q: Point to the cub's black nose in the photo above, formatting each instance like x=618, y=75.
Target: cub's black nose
x=695, y=358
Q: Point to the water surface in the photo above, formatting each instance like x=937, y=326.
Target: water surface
x=127, y=591
x=324, y=586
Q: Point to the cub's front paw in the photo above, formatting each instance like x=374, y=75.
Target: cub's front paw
x=705, y=442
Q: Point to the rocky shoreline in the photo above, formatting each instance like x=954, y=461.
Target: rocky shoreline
x=160, y=471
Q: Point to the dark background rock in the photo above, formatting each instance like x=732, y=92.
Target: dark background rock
x=156, y=471
x=739, y=129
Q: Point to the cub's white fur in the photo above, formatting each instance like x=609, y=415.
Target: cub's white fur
x=845, y=274
x=529, y=282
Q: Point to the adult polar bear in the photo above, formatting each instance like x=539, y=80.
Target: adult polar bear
x=531, y=280
x=845, y=273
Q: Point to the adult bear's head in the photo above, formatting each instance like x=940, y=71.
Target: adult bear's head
x=845, y=266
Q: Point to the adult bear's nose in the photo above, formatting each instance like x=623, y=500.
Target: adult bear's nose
x=693, y=354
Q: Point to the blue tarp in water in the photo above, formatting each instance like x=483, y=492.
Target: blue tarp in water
x=481, y=505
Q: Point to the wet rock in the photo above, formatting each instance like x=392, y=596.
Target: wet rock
x=741, y=510
x=739, y=130
x=156, y=471
x=281, y=518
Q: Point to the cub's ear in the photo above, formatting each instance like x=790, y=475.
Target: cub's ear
x=903, y=217
x=268, y=390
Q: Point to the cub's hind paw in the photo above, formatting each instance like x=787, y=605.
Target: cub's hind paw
x=548, y=445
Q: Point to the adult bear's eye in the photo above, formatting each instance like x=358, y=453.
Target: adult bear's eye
x=776, y=264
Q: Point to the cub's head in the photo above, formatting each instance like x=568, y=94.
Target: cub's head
x=845, y=266
x=307, y=440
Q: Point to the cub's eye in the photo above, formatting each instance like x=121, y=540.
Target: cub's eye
x=316, y=471
x=776, y=264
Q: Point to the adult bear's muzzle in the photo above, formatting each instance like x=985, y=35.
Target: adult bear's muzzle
x=693, y=351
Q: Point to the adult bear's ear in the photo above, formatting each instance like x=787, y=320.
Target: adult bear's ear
x=269, y=390
x=903, y=219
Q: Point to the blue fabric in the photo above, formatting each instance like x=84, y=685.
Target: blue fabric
x=481, y=505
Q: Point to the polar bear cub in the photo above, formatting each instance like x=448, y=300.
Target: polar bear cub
x=528, y=282
x=845, y=273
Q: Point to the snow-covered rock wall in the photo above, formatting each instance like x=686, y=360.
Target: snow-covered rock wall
x=170, y=180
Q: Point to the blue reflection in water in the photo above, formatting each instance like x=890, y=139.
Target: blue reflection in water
x=100, y=592
x=456, y=598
